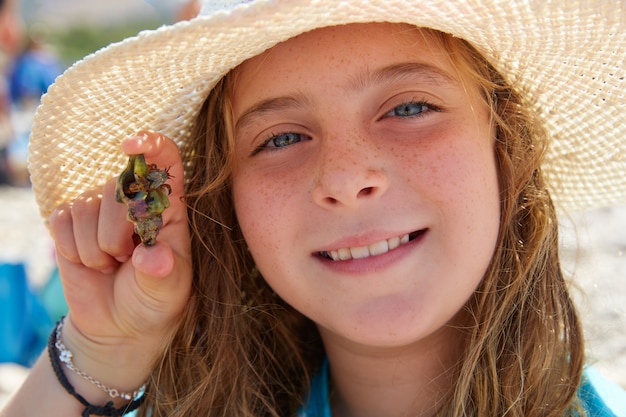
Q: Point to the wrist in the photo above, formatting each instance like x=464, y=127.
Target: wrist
x=100, y=372
x=59, y=355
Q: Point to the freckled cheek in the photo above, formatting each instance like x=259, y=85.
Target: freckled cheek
x=262, y=208
x=468, y=186
x=436, y=173
x=464, y=177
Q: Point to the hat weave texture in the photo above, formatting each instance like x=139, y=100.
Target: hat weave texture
x=566, y=57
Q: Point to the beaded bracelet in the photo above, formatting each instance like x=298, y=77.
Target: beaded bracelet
x=59, y=355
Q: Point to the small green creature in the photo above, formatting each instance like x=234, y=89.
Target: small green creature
x=142, y=188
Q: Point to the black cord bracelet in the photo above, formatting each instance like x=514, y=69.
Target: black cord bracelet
x=90, y=410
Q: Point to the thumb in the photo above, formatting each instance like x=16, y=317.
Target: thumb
x=156, y=261
x=162, y=288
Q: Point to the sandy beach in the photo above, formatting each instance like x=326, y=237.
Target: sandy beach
x=593, y=250
x=594, y=255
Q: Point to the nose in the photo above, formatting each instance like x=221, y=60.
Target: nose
x=350, y=172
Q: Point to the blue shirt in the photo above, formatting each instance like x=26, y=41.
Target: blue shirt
x=595, y=393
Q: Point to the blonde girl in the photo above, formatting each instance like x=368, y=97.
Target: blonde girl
x=362, y=214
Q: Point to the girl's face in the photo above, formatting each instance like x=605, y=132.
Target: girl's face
x=365, y=181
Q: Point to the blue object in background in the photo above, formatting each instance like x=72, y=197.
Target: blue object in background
x=52, y=298
x=24, y=322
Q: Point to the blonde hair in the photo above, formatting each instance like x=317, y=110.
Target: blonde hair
x=241, y=350
x=525, y=347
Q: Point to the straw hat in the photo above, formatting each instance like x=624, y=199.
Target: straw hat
x=567, y=56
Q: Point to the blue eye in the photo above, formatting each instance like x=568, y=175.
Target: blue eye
x=410, y=109
x=281, y=140
x=284, y=139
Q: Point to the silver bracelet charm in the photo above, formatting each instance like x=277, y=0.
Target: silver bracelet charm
x=65, y=356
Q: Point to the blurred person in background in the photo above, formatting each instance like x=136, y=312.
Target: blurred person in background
x=10, y=37
x=33, y=70
x=23, y=320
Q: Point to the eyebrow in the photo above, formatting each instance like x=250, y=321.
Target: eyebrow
x=272, y=105
x=402, y=72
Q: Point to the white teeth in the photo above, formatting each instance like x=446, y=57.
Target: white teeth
x=344, y=254
x=361, y=252
x=379, y=248
x=394, y=242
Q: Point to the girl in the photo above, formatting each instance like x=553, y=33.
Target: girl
x=359, y=222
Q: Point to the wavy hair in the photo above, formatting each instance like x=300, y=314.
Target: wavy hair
x=525, y=348
x=242, y=351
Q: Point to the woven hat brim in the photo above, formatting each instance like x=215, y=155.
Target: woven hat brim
x=567, y=57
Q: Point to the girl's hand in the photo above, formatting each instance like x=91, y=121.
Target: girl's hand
x=124, y=299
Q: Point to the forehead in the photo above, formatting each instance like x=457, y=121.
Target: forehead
x=350, y=54
x=371, y=41
x=359, y=37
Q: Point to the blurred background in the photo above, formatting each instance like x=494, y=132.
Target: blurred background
x=41, y=38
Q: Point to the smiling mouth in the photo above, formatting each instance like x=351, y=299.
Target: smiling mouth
x=375, y=249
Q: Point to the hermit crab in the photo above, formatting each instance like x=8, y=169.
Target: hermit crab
x=142, y=188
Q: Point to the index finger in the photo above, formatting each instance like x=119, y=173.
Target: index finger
x=161, y=151
x=157, y=148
